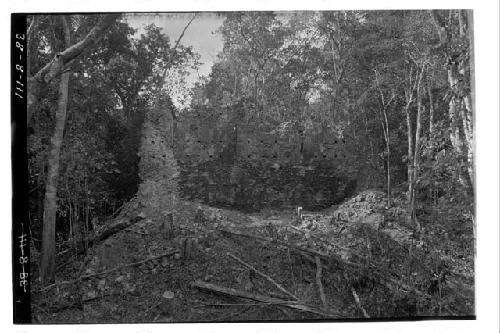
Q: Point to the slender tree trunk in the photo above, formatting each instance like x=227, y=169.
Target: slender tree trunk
x=467, y=69
x=389, y=189
x=466, y=115
x=471, y=102
x=456, y=134
x=416, y=159
x=47, y=268
x=411, y=155
x=432, y=190
x=460, y=105
x=385, y=129
x=409, y=131
x=50, y=202
x=413, y=141
x=70, y=217
x=388, y=151
x=372, y=151
x=462, y=72
x=431, y=109
x=174, y=126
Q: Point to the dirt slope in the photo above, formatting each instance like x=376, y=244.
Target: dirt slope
x=365, y=250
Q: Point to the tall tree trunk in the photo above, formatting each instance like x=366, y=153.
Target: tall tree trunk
x=47, y=268
x=460, y=105
x=384, y=121
x=467, y=69
x=389, y=189
x=409, y=131
x=467, y=123
x=431, y=109
x=416, y=152
x=385, y=129
x=432, y=189
x=413, y=139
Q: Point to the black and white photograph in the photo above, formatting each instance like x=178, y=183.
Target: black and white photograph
x=245, y=166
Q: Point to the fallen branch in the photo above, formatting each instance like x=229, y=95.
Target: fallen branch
x=88, y=276
x=115, y=213
x=294, y=247
x=122, y=224
x=389, y=281
x=115, y=228
x=374, y=266
x=267, y=277
x=263, y=299
x=318, y=282
x=235, y=304
x=358, y=303
x=307, y=253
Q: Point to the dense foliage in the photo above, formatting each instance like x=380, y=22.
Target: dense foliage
x=110, y=89
x=377, y=81
x=299, y=109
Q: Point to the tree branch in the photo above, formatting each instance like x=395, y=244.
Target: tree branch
x=183, y=32
x=172, y=50
x=50, y=71
x=54, y=68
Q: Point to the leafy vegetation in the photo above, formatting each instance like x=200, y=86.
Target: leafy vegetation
x=300, y=109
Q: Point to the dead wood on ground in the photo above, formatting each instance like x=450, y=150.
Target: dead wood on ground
x=88, y=276
x=264, y=299
x=390, y=282
x=267, y=277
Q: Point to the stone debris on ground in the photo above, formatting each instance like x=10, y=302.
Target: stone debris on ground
x=337, y=231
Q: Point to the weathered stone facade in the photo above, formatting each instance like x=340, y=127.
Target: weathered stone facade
x=158, y=170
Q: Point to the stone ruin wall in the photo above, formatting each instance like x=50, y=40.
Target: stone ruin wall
x=158, y=170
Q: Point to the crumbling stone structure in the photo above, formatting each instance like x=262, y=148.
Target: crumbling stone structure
x=158, y=170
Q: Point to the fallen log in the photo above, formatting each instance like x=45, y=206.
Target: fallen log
x=263, y=299
x=318, y=282
x=110, y=231
x=267, y=277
